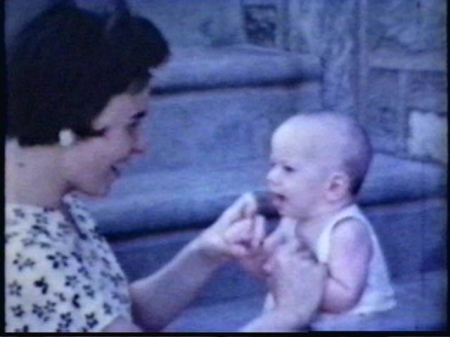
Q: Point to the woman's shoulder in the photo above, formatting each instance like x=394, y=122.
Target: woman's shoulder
x=47, y=282
x=80, y=214
x=31, y=227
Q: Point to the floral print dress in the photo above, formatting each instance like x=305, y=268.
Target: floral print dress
x=60, y=277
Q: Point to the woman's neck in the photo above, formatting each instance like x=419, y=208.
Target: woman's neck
x=33, y=175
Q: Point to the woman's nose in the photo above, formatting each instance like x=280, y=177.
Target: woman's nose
x=139, y=145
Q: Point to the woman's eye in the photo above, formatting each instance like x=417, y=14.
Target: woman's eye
x=133, y=126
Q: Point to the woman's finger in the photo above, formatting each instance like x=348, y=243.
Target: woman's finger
x=240, y=231
x=269, y=266
x=288, y=247
x=259, y=231
x=238, y=251
x=250, y=205
x=236, y=211
x=275, y=239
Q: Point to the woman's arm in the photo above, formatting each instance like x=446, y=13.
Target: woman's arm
x=159, y=298
x=121, y=324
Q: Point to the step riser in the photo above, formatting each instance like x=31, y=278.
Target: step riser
x=412, y=236
x=218, y=128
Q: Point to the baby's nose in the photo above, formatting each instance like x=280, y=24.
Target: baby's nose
x=272, y=175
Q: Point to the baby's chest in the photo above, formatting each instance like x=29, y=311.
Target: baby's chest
x=310, y=238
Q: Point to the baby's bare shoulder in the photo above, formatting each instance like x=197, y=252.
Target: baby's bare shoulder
x=350, y=231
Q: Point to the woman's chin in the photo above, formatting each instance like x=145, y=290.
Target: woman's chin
x=98, y=192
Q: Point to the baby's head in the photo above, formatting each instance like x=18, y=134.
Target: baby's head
x=319, y=162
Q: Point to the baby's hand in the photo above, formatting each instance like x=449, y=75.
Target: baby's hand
x=296, y=282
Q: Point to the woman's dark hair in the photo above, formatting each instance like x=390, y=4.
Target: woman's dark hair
x=68, y=63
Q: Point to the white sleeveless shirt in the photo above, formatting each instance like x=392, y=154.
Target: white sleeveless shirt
x=378, y=294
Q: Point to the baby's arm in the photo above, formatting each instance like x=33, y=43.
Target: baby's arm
x=350, y=254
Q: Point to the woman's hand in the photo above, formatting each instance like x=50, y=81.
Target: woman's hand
x=228, y=237
x=255, y=257
x=236, y=231
x=254, y=261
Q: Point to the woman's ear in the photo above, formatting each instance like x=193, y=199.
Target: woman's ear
x=338, y=186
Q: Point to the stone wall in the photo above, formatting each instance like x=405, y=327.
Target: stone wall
x=381, y=62
x=219, y=102
x=19, y=12
x=384, y=62
x=406, y=43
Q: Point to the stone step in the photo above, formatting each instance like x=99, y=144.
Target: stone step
x=213, y=107
x=160, y=201
x=412, y=236
x=421, y=306
x=203, y=68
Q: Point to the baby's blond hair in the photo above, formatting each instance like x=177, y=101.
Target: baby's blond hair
x=349, y=140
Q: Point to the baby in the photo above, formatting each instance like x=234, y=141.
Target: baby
x=318, y=164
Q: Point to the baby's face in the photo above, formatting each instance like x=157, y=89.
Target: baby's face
x=299, y=172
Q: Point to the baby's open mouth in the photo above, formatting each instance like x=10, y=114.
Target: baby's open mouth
x=265, y=202
x=278, y=198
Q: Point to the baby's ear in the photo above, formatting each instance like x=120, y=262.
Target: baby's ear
x=338, y=186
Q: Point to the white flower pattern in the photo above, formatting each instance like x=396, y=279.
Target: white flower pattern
x=55, y=275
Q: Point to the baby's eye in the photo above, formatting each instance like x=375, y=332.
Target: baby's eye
x=288, y=169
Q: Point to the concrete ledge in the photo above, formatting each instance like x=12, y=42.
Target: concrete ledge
x=412, y=236
x=421, y=307
x=169, y=200
x=233, y=66
x=413, y=239
x=145, y=255
x=393, y=180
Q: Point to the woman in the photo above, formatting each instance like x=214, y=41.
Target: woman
x=78, y=88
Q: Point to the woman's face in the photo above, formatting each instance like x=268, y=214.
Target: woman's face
x=92, y=165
